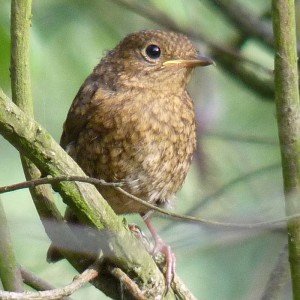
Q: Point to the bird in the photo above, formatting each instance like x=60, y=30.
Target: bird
x=133, y=122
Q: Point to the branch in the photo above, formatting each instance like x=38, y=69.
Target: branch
x=247, y=23
x=95, y=181
x=127, y=283
x=252, y=75
x=230, y=184
x=90, y=205
x=9, y=272
x=182, y=292
x=21, y=95
x=54, y=181
x=77, y=283
x=181, y=289
x=259, y=79
x=37, y=283
x=241, y=138
x=32, y=140
x=278, y=277
x=20, y=72
x=288, y=119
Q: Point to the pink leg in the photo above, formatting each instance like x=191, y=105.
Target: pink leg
x=161, y=246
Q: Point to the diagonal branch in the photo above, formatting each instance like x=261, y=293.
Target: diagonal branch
x=256, y=77
x=86, y=202
x=78, y=281
x=21, y=95
x=37, y=283
x=245, y=21
x=30, y=139
x=278, y=277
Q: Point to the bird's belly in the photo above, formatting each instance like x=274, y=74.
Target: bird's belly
x=153, y=171
x=152, y=180
x=149, y=153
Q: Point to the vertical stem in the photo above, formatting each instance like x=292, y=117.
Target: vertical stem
x=9, y=273
x=20, y=15
x=20, y=72
x=288, y=118
x=21, y=95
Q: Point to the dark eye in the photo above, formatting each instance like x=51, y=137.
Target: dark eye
x=153, y=51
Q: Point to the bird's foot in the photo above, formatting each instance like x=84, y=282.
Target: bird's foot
x=159, y=247
x=139, y=234
x=163, y=248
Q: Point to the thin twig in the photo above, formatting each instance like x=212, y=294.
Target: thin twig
x=55, y=180
x=209, y=199
x=207, y=221
x=126, y=281
x=94, y=181
x=78, y=281
x=241, y=138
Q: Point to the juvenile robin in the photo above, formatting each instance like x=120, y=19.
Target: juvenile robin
x=133, y=122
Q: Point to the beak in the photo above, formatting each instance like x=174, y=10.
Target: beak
x=200, y=61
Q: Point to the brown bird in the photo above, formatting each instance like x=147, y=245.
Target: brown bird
x=133, y=122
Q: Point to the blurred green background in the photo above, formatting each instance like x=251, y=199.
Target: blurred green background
x=239, y=180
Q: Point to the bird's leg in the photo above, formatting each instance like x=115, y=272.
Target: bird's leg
x=162, y=247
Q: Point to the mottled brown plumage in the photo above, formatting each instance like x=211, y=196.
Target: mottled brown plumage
x=133, y=121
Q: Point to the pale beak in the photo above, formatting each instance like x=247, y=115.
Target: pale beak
x=200, y=61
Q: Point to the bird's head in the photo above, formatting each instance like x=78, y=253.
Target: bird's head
x=153, y=59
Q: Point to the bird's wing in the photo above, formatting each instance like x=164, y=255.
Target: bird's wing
x=81, y=109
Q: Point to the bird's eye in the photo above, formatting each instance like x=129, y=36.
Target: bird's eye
x=153, y=51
